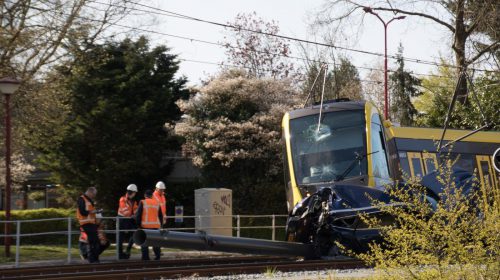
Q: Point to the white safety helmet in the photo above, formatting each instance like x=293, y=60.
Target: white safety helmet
x=160, y=185
x=132, y=187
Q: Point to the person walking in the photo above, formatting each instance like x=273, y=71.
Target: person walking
x=126, y=210
x=86, y=215
x=149, y=216
x=159, y=195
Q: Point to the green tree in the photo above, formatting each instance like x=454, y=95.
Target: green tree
x=438, y=91
x=120, y=95
x=403, y=87
x=472, y=26
x=342, y=81
x=232, y=128
x=34, y=37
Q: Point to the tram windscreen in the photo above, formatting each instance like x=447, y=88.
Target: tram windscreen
x=322, y=152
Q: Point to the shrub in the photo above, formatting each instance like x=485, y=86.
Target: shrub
x=42, y=226
x=456, y=238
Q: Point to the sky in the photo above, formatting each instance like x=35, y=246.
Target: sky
x=420, y=38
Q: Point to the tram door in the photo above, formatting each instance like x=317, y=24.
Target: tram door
x=486, y=171
x=430, y=162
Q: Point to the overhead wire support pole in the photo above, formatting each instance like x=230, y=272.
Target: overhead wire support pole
x=322, y=96
x=476, y=99
x=474, y=95
x=450, y=108
x=323, y=65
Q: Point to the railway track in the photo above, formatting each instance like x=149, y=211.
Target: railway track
x=175, y=268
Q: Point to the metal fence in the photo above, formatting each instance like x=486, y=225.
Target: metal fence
x=71, y=231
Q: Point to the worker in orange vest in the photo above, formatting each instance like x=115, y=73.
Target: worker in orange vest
x=83, y=241
x=159, y=195
x=149, y=216
x=126, y=210
x=86, y=215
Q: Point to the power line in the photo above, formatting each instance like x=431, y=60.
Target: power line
x=228, y=45
x=235, y=47
x=164, y=12
x=221, y=44
x=268, y=70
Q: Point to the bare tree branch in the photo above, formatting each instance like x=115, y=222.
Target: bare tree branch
x=491, y=48
x=435, y=19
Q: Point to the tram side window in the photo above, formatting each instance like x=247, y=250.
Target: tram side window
x=417, y=167
x=486, y=172
x=380, y=165
x=405, y=166
x=485, y=175
x=464, y=161
x=416, y=164
x=429, y=165
x=430, y=162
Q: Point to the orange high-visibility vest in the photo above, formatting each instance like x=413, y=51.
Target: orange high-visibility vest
x=90, y=219
x=126, y=207
x=149, y=218
x=162, y=201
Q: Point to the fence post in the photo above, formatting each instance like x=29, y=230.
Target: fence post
x=274, y=228
x=237, y=225
x=69, y=240
x=117, y=232
x=18, y=241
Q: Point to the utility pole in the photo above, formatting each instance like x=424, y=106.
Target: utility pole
x=386, y=102
x=7, y=87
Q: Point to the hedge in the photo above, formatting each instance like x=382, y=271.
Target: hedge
x=43, y=226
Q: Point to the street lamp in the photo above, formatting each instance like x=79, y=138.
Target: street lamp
x=7, y=87
x=386, y=104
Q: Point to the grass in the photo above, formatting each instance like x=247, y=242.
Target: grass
x=46, y=252
x=270, y=271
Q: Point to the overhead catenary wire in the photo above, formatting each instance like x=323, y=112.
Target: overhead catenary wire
x=268, y=70
x=256, y=51
x=191, y=39
x=160, y=11
x=235, y=47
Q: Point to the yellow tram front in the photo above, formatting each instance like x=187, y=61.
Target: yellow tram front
x=343, y=141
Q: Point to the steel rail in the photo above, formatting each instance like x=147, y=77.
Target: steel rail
x=208, y=270
x=31, y=272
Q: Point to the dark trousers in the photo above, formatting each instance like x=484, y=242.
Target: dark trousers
x=145, y=252
x=93, y=248
x=83, y=248
x=126, y=223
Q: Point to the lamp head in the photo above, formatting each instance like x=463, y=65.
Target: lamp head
x=8, y=85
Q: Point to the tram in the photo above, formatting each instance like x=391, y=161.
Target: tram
x=319, y=150
x=344, y=151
